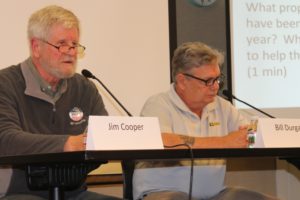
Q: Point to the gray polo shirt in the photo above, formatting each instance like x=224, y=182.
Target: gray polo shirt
x=218, y=119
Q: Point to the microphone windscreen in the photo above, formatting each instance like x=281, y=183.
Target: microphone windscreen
x=86, y=73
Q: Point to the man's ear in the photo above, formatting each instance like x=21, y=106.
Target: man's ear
x=35, y=47
x=180, y=81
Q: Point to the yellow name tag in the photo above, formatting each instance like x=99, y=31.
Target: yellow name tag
x=214, y=123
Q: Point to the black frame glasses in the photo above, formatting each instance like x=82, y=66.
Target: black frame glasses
x=64, y=48
x=208, y=82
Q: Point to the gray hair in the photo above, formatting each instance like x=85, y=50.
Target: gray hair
x=42, y=21
x=194, y=54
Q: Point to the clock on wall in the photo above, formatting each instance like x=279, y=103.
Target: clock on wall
x=202, y=3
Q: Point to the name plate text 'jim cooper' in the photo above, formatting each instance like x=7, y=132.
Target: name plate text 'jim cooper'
x=123, y=133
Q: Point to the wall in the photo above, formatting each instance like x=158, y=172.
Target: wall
x=205, y=24
x=276, y=177
x=127, y=46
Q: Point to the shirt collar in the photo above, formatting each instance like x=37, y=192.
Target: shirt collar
x=182, y=106
x=37, y=86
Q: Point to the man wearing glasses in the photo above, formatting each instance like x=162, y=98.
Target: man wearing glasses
x=191, y=113
x=44, y=104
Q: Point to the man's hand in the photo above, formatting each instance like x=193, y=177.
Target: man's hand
x=236, y=139
x=170, y=139
x=75, y=143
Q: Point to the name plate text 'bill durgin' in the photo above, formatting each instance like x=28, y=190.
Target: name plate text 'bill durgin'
x=278, y=133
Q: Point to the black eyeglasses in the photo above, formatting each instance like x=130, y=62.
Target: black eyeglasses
x=208, y=82
x=64, y=48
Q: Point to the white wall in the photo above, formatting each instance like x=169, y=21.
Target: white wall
x=127, y=44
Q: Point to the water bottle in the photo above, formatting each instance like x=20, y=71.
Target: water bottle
x=252, y=130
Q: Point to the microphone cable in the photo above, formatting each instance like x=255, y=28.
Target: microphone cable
x=192, y=165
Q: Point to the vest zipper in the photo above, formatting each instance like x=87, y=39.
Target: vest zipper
x=53, y=116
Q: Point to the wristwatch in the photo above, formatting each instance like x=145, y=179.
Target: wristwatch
x=188, y=140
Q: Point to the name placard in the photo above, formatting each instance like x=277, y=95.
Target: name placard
x=278, y=133
x=121, y=133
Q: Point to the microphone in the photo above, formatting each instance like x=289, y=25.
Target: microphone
x=87, y=74
x=230, y=95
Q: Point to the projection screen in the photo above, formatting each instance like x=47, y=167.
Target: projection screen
x=265, y=49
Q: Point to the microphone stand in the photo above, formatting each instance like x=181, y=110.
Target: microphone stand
x=253, y=107
x=120, y=104
x=88, y=74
